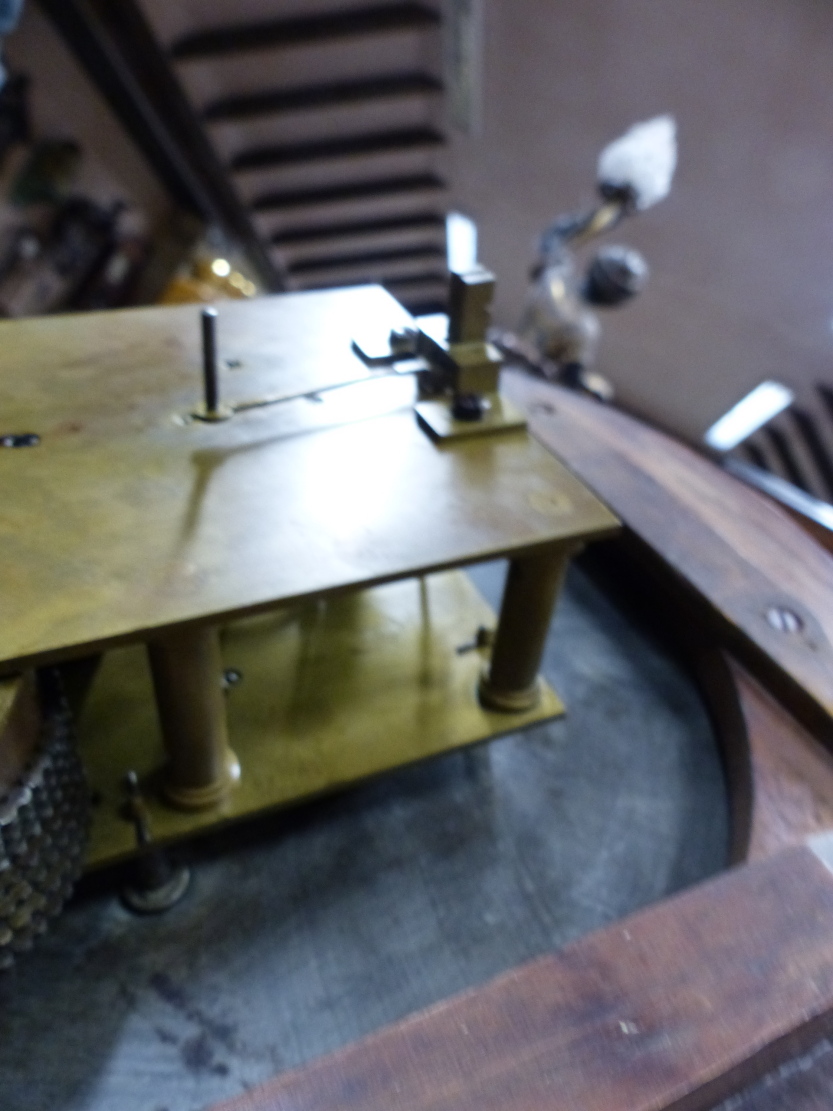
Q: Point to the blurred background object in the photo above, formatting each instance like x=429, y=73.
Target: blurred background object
x=325, y=142
x=9, y=15
x=559, y=331
x=318, y=137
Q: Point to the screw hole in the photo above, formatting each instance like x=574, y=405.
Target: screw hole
x=20, y=439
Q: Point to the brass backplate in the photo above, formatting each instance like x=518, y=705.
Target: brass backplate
x=331, y=692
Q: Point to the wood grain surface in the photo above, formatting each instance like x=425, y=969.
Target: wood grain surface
x=803, y=1083
x=741, y=553
x=780, y=776
x=675, y=1007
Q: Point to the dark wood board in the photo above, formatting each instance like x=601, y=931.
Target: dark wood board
x=736, y=549
x=781, y=777
x=675, y=1007
x=804, y=1083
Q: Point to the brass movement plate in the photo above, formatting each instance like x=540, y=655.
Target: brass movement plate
x=332, y=691
x=129, y=518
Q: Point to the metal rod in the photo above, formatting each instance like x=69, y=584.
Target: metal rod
x=280, y=399
x=209, y=361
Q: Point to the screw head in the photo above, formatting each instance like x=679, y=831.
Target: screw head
x=784, y=620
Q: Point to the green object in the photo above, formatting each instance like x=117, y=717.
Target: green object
x=48, y=173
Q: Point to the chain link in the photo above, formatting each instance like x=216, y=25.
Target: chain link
x=44, y=824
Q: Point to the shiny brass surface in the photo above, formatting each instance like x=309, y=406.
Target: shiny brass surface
x=331, y=691
x=476, y=367
x=20, y=724
x=131, y=523
x=187, y=671
x=128, y=518
x=511, y=682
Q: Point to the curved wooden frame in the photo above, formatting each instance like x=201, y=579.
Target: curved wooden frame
x=684, y=1003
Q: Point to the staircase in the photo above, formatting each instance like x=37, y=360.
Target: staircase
x=322, y=121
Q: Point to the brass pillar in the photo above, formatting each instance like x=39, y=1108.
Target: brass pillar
x=511, y=681
x=187, y=674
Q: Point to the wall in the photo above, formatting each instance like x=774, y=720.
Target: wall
x=65, y=104
x=742, y=252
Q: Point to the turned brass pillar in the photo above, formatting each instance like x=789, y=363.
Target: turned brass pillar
x=511, y=681
x=187, y=675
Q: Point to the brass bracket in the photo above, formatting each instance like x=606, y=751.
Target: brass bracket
x=459, y=391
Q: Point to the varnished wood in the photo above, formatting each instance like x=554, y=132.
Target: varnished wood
x=803, y=1083
x=735, y=549
x=781, y=777
x=671, y=1009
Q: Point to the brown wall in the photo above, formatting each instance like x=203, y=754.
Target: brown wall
x=742, y=252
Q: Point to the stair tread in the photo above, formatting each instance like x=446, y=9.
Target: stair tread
x=363, y=258
x=337, y=146
x=347, y=190
x=298, y=30
x=303, y=233
x=269, y=102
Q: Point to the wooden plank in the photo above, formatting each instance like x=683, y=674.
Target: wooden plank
x=780, y=776
x=802, y=1084
x=738, y=550
x=670, y=1009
